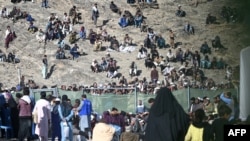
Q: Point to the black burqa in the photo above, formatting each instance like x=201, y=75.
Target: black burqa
x=167, y=120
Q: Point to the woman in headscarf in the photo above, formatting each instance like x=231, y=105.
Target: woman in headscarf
x=167, y=120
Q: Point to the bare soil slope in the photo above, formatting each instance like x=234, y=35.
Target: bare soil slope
x=68, y=72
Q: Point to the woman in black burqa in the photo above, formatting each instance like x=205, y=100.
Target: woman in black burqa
x=167, y=120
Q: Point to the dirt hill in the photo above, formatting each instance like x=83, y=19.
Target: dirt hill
x=67, y=72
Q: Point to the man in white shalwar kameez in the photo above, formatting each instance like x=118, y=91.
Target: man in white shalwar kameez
x=42, y=108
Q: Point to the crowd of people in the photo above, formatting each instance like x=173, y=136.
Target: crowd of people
x=74, y=119
x=58, y=117
x=189, y=74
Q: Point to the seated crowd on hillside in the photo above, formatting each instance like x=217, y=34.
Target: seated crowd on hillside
x=190, y=72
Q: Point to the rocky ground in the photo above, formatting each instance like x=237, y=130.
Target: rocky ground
x=67, y=72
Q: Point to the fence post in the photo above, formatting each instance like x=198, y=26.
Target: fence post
x=188, y=96
x=136, y=96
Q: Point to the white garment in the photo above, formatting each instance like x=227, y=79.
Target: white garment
x=126, y=49
x=94, y=8
x=141, y=55
x=167, y=70
x=7, y=32
x=170, y=55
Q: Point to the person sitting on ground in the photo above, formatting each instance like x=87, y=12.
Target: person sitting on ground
x=3, y=57
x=167, y=70
x=185, y=69
x=171, y=56
x=61, y=43
x=205, y=63
x=74, y=52
x=161, y=42
x=98, y=44
x=60, y=54
x=40, y=36
x=154, y=53
x=216, y=43
x=65, y=18
x=112, y=72
x=95, y=66
x=151, y=35
x=92, y=36
x=112, y=69
x=158, y=61
x=189, y=28
x=67, y=28
x=11, y=57
x=104, y=35
x=205, y=48
x=114, y=8
x=99, y=31
x=127, y=40
x=188, y=55
x=142, y=53
x=179, y=55
x=143, y=26
x=82, y=33
x=129, y=17
x=114, y=44
x=104, y=64
x=149, y=63
x=210, y=19
x=50, y=34
x=147, y=42
x=132, y=69
x=180, y=12
x=123, y=21
x=214, y=63
x=4, y=13
x=138, y=20
x=32, y=28
x=72, y=37
x=29, y=18
x=221, y=64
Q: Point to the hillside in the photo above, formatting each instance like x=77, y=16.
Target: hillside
x=68, y=72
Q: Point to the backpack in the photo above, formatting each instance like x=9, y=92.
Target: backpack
x=66, y=109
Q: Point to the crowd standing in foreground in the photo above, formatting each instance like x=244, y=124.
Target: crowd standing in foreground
x=74, y=119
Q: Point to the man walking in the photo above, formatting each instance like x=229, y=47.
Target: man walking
x=85, y=110
x=95, y=13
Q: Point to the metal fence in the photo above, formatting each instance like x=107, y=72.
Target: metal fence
x=128, y=102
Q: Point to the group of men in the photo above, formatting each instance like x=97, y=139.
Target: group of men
x=48, y=114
